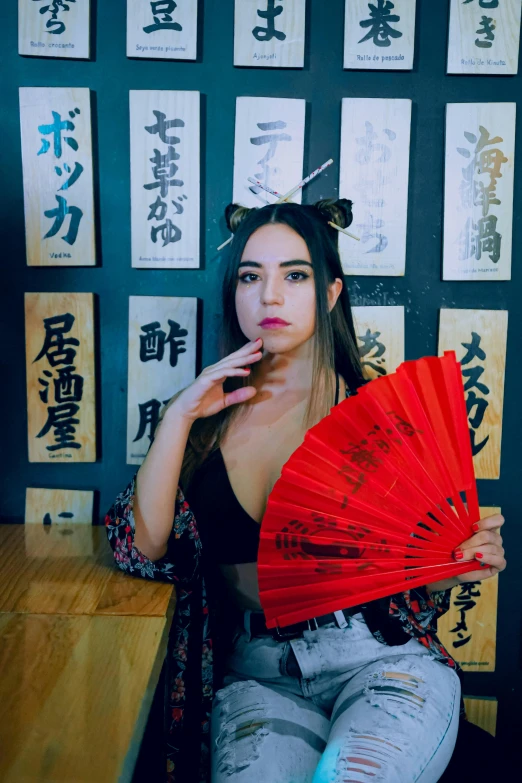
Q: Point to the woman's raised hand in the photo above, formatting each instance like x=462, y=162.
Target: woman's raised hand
x=485, y=547
x=205, y=396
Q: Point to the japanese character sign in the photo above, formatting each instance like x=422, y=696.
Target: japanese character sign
x=54, y=28
x=484, y=36
x=60, y=377
x=380, y=338
x=469, y=629
x=269, y=146
x=379, y=34
x=162, y=360
x=269, y=33
x=58, y=190
x=165, y=179
x=478, y=338
x=58, y=506
x=162, y=29
x=375, y=143
x=479, y=191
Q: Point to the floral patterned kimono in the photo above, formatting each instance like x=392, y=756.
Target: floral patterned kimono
x=192, y=673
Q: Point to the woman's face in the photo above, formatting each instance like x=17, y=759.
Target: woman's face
x=275, y=294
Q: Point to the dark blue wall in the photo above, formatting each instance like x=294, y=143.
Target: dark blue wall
x=110, y=76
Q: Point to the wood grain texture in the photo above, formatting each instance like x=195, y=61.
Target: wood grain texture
x=48, y=29
x=375, y=155
x=269, y=146
x=473, y=613
x=482, y=39
x=75, y=694
x=57, y=506
x=380, y=338
x=164, y=30
x=77, y=575
x=478, y=191
x=165, y=178
x=279, y=38
x=58, y=176
x=383, y=41
x=61, y=410
x=483, y=359
x=156, y=370
x=482, y=711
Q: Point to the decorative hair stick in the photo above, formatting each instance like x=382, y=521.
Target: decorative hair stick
x=287, y=196
x=305, y=181
x=275, y=193
x=225, y=243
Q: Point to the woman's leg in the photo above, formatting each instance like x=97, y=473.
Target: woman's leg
x=395, y=721
x=261, y=734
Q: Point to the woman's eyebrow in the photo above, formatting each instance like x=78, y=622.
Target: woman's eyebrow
x=284, y=264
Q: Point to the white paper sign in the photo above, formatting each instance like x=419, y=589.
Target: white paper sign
x=58, y=178
x=165, y=178
x=162, y=360
x=380, y=338
x=54, y=28
x=478, y=193
x=269, y=33
x=162, y=29
x=379, y=34
x=484, y=36
x=269, y=147
x=375, y=152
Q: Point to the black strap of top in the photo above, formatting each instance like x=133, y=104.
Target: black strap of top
x=336, y=388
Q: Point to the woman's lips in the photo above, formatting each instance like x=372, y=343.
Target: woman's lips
x=273, y=323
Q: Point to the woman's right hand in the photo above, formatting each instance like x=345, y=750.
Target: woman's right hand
x=206, y=396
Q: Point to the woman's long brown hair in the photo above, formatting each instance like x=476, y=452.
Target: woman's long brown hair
x=335, y=346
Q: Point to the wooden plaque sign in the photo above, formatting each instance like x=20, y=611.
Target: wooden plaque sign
x=162, y=29
x=57, y=172
x=165, y=178
x=269, y=33
x=162, y=360
x=469, y=628
x=479, y=339
x=478, y=191
x=54, y=28
x=484, y=36
x=59, y=342
x=379, y=34
x=380, y=338
x=58, y=506
x=482, y=711
x=269, y=147
x=375, y=153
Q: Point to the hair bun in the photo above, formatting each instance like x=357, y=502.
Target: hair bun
x=234, y=216
x=339, y=212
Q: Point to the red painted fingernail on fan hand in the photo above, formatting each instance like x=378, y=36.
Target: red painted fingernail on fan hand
x=479, y=555
x=475, y=526
x=458, y=554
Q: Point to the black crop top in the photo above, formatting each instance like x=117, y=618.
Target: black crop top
x=228, y=534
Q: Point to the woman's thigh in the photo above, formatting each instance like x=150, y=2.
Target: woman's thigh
x=396, y=721
x=259, y=733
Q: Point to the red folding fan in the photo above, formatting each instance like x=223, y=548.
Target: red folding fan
x=375, y=499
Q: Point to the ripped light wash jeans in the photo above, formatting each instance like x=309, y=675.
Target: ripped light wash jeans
x=335, y=706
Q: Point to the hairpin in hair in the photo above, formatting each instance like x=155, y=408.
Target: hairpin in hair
x=286, y=197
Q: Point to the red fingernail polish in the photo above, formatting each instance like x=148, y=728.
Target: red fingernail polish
x=458, y=554
x=479, y=555
x=475, y=526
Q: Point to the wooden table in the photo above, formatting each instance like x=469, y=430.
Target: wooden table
x=81, y=650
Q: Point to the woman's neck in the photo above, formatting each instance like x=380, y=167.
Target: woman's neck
x=279, y=374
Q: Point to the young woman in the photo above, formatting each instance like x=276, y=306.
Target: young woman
x=364, y=694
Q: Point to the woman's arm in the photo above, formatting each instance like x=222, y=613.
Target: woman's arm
x=156, y=485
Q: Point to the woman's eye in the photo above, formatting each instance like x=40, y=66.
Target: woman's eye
x=298, y=276
x=246, y=278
